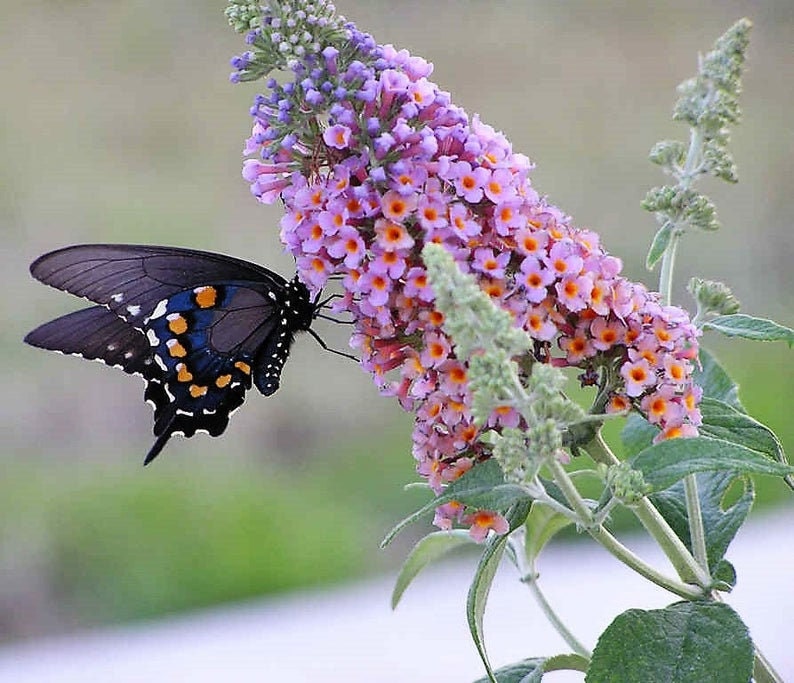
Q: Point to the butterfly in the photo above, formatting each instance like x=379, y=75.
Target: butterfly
x=199, y=327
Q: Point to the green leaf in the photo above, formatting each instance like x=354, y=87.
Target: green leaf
x=478, y=596
x=749, y=327
x=720, y=524
x=723, y=421
x=687, y=642
x=724, y=573
x=480, y=480
x=661, y=240
x=637, y=434
x=669, y=461
x=542, y=525
x=525, y=671
x=427, y=550
x=715, y=381
x=531, y=670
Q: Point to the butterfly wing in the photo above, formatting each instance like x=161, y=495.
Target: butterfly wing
x=199, y=325
x=206, y=343
x=96, y=333
x=132, y=279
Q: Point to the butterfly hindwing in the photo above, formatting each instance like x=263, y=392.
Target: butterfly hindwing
x=96, y=333
x=199, y=327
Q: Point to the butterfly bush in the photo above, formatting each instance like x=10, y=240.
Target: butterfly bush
x=372, y=160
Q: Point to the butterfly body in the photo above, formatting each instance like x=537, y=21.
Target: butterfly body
x=200, y=328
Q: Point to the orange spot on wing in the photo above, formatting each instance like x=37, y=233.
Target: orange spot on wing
x=177, y=323
x=183, y=374
x=197, y=391
x=243, y=367
x=223, y=381
x=175, y=349
x=206, y=296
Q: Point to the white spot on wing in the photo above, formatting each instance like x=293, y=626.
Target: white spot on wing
x=133, y=310
x=154, y=340
x=159, y=310
x=117, y=298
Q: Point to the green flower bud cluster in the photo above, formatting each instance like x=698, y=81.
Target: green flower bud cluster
x=284, y=32
x=712, y=298
x=626, y=484
x=709, y=103
x=485, y=337
x=243, y=16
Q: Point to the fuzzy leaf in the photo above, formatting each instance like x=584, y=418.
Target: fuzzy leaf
x=715, y=381
x=542, y=525
x=525, y=671
x=719, y=524
x=531, y=670
x=687, y=642
x=669, y=461
x=637, y=434
x=478, y=596
x=661, y=240
x=430, y=548
x=723, y=421
x=480, y=481
x=749, y=327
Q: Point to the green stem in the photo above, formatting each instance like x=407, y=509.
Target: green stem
x=686, y=177
x=697, y=535
x=685, y=564
x=621, y=552
x=763, y=672
x=530, y=577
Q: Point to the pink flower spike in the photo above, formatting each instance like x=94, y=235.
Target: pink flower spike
x=499, y=187
x=348, y=245
x=507, y=217
x=676, y=372
x=535, y=280
x=606, y=334
x=432, y=213
x=417, y=284
x=391, y=236
x=337, y=136
x=676, y=431
x=333, y=218
x=483, y=521
x=422, y=92
x=574, y=292
x=661, y=408
x=469, y=182
x=377, y=287
x=638, y=376
x=486, y=262
x=397, y=207
x=462, y=222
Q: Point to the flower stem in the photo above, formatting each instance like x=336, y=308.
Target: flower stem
x=697, y=533
x=530, y=577
x=621, y=552
x=685, y=564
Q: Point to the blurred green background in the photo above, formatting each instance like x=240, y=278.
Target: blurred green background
x=119, y=124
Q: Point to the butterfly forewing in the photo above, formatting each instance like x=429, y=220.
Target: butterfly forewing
x=131, y=280
x=200, y=327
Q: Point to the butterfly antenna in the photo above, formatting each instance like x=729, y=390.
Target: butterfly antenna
x=335, y=320
x=328, y=348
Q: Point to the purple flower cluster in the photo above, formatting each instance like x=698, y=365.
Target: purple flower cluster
x=396, y=164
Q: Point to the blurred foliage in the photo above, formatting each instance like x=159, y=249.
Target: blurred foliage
x=120, y=125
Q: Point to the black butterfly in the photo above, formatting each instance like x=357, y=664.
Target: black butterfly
x=198, y=327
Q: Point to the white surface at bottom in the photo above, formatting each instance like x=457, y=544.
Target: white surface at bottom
x=350, y=635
